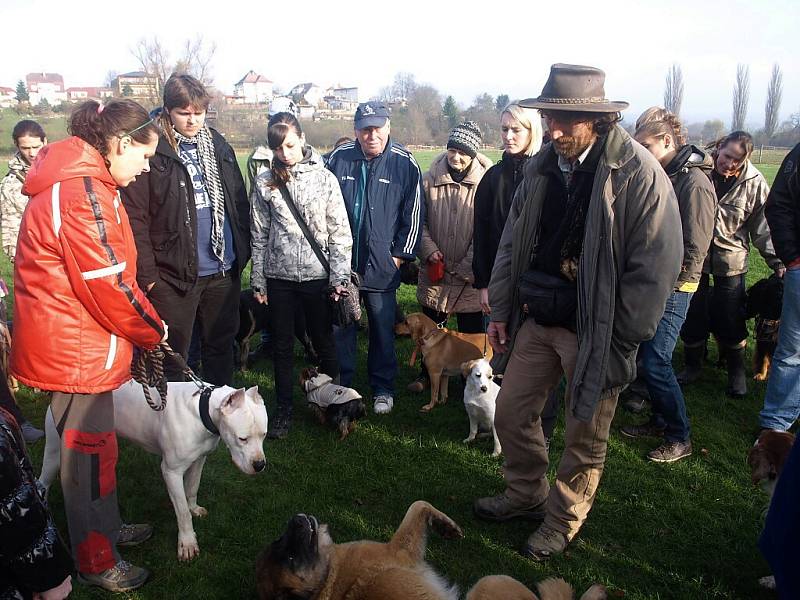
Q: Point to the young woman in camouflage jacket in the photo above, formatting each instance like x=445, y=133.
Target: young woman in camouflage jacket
x=286, y=272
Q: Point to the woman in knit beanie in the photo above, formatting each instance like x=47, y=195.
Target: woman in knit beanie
x=445, y=279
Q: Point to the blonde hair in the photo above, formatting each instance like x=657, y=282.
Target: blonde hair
x=658, y=122
x=530, y=119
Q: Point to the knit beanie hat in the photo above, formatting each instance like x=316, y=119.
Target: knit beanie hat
x=466, y=137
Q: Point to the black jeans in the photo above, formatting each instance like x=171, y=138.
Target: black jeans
x=284, y=297
x=717, y=309
x=214, y=303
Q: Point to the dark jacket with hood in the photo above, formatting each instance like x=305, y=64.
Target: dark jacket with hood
x=631, y=257
x=492, y=203
x=163, y=215
x=32, y=556
x=392, y=214
x=783, y=209
x=689, y=172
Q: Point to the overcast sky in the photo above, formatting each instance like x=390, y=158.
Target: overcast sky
x=462, y=49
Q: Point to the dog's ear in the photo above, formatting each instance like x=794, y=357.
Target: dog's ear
x=252, y=393
x=466, y=367
x=233, y=402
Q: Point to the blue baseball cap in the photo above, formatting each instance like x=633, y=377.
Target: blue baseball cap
x=371, y=114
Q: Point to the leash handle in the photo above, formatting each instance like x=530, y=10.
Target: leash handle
x=148, y=370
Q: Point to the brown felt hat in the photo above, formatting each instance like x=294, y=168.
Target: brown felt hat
x=574, y=88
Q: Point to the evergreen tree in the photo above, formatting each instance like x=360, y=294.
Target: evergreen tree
x=450, y=111
x=22, y=92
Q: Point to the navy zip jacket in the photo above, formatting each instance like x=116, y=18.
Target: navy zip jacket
x=392, y=210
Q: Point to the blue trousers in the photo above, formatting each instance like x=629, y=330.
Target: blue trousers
x=381, y=357
x=782, y=400
x=669, y=405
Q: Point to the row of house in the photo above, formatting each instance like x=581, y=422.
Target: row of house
x=313, y=101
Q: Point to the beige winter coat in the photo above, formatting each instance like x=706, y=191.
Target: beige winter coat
x=448, y=229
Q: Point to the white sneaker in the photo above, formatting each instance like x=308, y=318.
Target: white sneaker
x=383, y=404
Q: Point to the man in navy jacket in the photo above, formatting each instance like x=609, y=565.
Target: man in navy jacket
x=382, y=188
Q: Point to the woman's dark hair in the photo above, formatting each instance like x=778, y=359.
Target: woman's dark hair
x=278, y=128
x=741, y=138
x=96, y=124
x=27, y=128
x=182, y=90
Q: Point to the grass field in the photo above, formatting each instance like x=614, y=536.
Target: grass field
x=684, y=531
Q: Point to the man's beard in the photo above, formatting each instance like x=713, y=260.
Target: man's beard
x=568, y=147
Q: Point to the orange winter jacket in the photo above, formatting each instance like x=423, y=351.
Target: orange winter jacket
x=77, y=308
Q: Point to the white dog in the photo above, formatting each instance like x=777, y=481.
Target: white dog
x=179, y=436
x=480, y=396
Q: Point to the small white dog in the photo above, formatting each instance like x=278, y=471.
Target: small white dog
x=179, y=436
x=480, y=395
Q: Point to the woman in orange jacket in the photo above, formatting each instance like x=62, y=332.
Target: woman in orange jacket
x=78, y=313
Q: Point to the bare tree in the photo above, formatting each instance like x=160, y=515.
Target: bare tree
x=196, y=59
x=404, y=85
x=110, y=77
x=673, y=90
x=154, y=59
x=741, y=97
x=773, y=105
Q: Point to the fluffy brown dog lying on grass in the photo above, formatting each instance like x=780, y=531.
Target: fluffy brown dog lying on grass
x=443, y=352
x=305, y=563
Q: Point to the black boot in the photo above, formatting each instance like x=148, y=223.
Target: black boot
x=693, y=363
x=737, y=380
x=279, y=425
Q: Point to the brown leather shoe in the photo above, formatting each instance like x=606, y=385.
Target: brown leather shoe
x=418, y=385
x=502, y=508
x=544, y=543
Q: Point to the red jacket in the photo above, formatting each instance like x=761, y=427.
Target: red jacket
x=77, y=308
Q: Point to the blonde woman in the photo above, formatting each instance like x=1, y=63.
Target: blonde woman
x=522, y=137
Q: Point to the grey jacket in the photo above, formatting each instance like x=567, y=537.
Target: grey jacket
x=280, y=250
x=321, y=390
x=689, y=173
x=12, y=203
x=739, y=220
x=632, y=252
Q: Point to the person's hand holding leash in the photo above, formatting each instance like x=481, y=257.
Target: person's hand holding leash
x=260, y=297
x=337, y=292
x=483, y=294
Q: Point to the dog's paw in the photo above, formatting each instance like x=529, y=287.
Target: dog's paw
x=446, y=527
x=759, y=377
x=497, y=452
x=199, y=512
x=188, y=549
x=427, y=408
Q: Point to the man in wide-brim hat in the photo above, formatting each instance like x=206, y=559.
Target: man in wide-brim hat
x=589, y=255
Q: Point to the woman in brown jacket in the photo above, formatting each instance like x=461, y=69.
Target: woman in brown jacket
x=450, y=186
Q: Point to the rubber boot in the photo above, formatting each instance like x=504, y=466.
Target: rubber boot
x=693, y=361
x=737, y=380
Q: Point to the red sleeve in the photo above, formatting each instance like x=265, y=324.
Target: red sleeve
x=100, y=260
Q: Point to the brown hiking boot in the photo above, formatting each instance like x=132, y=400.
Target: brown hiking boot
x=640, y=431
x=122, y=577
x=133, y=534
x=671, y=452
x=544, y=543
x=502, y=508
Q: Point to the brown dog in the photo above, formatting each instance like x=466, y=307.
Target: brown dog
x=443, y=352
x=305, y=563
x=767, y=457
x=494, y=587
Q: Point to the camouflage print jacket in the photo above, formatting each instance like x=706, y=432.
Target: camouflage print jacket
x=12, y=203
x=280, y=250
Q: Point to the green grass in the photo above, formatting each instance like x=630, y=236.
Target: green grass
x=684, y=531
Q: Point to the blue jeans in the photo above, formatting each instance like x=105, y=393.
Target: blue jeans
x=669, y=406
x=381, y=357
x=782, y=400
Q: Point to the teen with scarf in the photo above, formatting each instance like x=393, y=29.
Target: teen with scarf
x=191, y=219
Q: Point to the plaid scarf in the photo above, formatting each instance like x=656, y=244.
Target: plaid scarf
x=210, y=172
